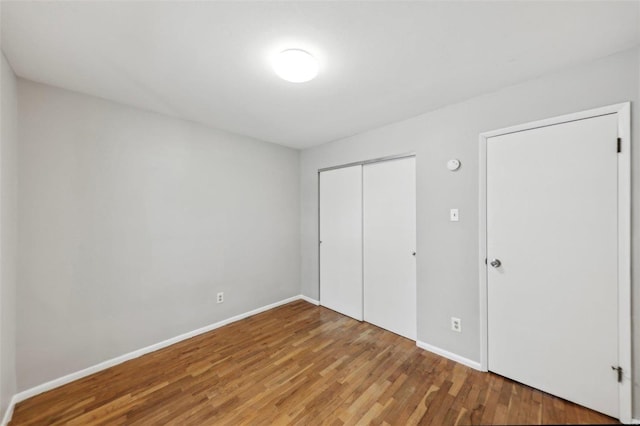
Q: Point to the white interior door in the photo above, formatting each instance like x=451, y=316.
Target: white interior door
x=341, y=240
x=389, y=194
x=552, y=223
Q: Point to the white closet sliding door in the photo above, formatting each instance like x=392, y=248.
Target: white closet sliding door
x=368, y=243
x=341, y=240
x=389, y=197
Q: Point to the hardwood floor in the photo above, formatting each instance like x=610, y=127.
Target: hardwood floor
x=297, y=364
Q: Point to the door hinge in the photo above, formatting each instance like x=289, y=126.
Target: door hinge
x=619, y=145
x=619, y=370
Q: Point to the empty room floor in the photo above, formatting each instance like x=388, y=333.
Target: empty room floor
x=297, y=364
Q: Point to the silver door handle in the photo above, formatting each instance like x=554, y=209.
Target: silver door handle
x=495, y=263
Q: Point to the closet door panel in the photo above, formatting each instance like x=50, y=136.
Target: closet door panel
x=341, y=240
x=389, y=198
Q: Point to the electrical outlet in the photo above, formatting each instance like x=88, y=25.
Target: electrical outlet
x=220, y=298
x=456, y=324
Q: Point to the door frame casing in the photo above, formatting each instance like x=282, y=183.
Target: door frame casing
x=622, y=111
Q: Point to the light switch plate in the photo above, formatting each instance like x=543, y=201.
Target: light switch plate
x=454, y=216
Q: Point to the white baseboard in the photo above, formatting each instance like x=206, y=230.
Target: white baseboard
x=9, y=413
x=310, y=300
x=635, y=421
x=21, y=396
x=455, y=357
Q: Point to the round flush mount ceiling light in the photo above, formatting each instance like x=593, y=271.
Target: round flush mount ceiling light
x=295, y=65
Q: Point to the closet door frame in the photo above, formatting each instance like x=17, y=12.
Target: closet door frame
x=357, y=163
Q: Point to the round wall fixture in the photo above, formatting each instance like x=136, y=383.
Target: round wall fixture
x=453, y=165
x=295, y=65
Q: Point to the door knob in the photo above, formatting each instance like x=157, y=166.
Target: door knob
x=495, y=263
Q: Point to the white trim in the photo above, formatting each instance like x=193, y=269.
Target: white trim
x=581, y=115
x=635, y=422
x=482, y=253
x=21, y=396
x=624, y=263
x=450, y=355
x=374, y=160
x=310, y=300
x=624, y=239
x=9, y=413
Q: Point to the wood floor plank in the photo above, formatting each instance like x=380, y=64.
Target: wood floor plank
x=297, y=364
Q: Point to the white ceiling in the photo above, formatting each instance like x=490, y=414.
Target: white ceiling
x=380, y=61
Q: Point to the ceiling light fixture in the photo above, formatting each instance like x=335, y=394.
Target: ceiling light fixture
x=295, y=65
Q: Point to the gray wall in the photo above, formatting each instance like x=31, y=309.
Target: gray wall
x=8, y=229
x=447, y=265
x=130, y=223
